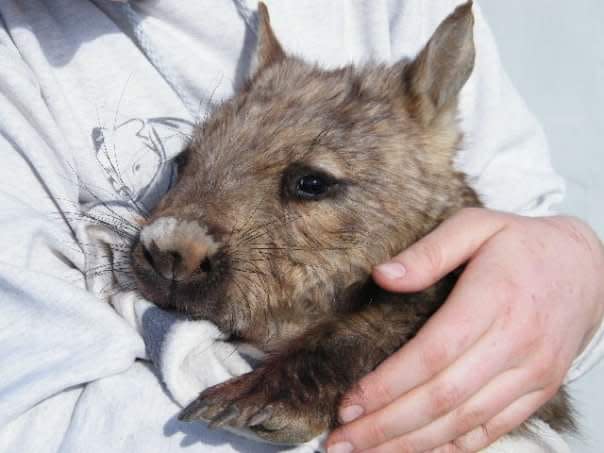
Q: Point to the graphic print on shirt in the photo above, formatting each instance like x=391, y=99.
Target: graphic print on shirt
x=136, y=156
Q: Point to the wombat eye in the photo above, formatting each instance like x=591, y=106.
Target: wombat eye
x=311, y=186
x=304, y=183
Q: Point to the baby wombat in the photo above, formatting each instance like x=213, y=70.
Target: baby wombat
x=287, y=197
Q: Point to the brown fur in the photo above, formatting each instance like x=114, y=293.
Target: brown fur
x=292, y=275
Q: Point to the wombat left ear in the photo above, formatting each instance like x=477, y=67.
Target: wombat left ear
x=435, y=78
x=268, y=48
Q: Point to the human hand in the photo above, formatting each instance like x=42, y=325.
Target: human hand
x=529, y=300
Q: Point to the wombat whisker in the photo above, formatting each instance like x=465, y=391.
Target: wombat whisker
x=317, y=139
x=119, y=265
x=302, y=249
x=114, y=215
x=108, y=268
x=98, y=270
x=251, y=235
x=248, y=271
x=245, y=303
x=119, y=228
x=249, y=218
x=246, y=261
x=100, y=274
x=87, y=188
x=264, y=229
x=209, y=102
x=119, y=102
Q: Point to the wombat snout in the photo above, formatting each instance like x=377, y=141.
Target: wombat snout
x=177, y=250
x=177, y=264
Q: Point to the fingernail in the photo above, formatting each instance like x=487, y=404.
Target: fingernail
x=350, y=413
x=392, y=270
x=342, y=447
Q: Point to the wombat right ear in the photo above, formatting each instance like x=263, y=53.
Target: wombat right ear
x=268, y=48
x=435, y=78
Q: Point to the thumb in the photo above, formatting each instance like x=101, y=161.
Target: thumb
x=443, y=250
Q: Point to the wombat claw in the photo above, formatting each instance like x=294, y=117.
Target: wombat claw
x=219, y=406
x=237, y=404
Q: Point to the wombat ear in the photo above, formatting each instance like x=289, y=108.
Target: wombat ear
x=435, y=78
x=268, y=48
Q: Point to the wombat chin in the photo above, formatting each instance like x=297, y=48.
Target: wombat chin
x=287, y=197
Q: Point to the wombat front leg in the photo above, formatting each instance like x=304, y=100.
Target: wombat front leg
x=293, y=395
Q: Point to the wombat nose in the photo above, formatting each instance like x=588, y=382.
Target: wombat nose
x=177, y=249
x=178, y=263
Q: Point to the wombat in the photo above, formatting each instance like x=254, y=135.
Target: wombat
x=287, y=197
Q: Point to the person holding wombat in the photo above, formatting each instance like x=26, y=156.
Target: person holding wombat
x=498, y=349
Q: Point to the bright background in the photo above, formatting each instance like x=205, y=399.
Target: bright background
x=554, y=52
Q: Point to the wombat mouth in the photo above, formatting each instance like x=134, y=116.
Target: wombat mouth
x=158, y=279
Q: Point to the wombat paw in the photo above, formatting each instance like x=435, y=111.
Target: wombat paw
x=244, y=403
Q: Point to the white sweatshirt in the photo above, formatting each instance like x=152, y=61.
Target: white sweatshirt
x=96, y=97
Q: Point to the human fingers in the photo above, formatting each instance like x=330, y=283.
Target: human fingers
x=442, y=251
x=446, y=336
x=472, y=415
x=431, y=400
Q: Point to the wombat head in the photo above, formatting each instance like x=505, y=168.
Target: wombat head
x=294, y=189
